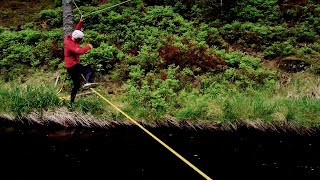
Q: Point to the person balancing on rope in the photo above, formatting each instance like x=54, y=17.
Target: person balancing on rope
x=72, y=54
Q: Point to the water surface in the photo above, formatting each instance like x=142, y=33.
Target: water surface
x=31, y=151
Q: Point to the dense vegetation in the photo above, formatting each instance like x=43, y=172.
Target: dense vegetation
x=244, y=60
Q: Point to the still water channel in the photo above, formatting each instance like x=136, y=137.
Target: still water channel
x=32, y=151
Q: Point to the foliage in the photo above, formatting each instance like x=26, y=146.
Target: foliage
x=257, y=11
x=176, y=58
x=29, y=48
x=253, y=35
x=193, y=56
x=51, y=17
x=279, y=50
x=192, y=111
x=155, y=92
x=103, y=57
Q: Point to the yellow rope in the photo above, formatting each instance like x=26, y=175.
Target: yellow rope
x=154, y=137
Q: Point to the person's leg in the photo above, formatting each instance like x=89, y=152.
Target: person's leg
x=87, y=73
x=76, y=87
x=74, y=73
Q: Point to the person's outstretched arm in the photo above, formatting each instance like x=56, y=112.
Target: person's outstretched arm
x=80, y=51
x=79, y=25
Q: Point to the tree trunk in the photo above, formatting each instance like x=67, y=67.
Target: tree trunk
x=68, y=22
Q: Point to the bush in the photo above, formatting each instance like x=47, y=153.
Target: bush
x=193, y=56
x=253, y=35
x=278, y=50
x=29, y=47
x=257, y=10
x=238, y=59
x=2, y=29
x=155, y=92
x=16, y=53
x=102, y=58
x=210, y=35
x=42, y=53
x=53, y=34
x=30, y=36
x=52, y=17
x=316, y=47
x=305, y=33
x=147, y=59
x=243, y=72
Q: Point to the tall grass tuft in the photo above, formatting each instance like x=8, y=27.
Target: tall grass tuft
x=85, y=105
x=21, y=101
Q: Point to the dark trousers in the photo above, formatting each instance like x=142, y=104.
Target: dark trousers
x=75, y=73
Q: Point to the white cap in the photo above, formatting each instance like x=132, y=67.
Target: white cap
x=77, y=34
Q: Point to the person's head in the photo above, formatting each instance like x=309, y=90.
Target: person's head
x=77, y=36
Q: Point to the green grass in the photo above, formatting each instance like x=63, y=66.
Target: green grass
x=263, y=105
x=24, y=100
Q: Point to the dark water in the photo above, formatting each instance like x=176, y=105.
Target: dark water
x=52, y=152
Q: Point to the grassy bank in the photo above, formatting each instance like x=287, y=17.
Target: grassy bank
x=293, y=103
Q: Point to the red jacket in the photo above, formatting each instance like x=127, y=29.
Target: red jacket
x=72, y=51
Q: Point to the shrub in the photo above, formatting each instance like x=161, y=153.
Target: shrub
x=9, y=37
x=231, y=32
x=31, y=36
x=278, y=50
x=257, y=10
x=305, y=33
x=316, y=47
x=210, y=35
x=42, y=53
x=253, y=35
x=53, y=34
x=102, y=58
x=147, y=58
x=52, y=17
x=155, y=92
x=190, y=55
x=16, y=53
x=243, y=72
x=2, y=29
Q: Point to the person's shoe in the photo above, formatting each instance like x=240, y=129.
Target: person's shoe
x=90, y=85
x=87, y=85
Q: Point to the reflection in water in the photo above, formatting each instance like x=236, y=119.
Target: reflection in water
x=53, y=152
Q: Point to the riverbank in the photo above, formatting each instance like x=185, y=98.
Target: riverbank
x=292, y=104
x=64, y=118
